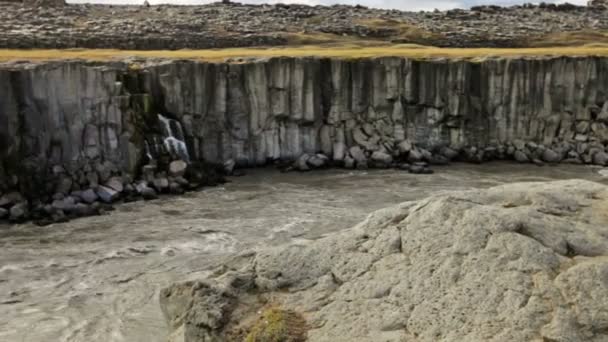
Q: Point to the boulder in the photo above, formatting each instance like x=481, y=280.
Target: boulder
x=358, y=155
x=301, y=163
x=449, y=153
x=228, y=166
x=11, y=198
x=177, y=168
x=519, y=262
x=64, y=185
x=349, y=162
x=81, y=209
x=115, y=183
x=521, y=157
x=415, y=155
x=148, y=172
x=317, y=161
x=148, y=193
x=89, y=196
x=404, y=147
x=551, y=156
x=600, y=158
x=3, y=213
x=161, y=184
x=382, y=158
x=107, y=195
x=175, y=188
x=67, y=204
x=19, y=211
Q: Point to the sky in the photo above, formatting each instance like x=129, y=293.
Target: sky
x=407, y=5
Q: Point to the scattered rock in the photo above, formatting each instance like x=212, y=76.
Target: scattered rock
x=551, y=156
x=116, y=184
x=161, y=184
x=521, y=157
x=600, y=158
x=382, y=158
x=177, y=168
x=11, y=198
x=302, y=163
x=229, y=166
x=19, y=211
x=107, y=195
x=89, y=196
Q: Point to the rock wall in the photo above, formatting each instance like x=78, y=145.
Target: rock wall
x=71, y=125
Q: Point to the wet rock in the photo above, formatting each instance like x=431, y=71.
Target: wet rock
x=107, y=195
x=449, y=153
x=11, y=198
x=177, y=168
x=81, y=209
x=148, y=172
x=404, y=146
x=19, y=211
x=414, y=156
x=148, y=193
x=175, y=188
x=89, y=196
x=359, y=156
x=382, y=159
x=437, y=159
x=161, y=184
x=302, y=163
x=419, y=168
x=339, y=150
x=104, y=171
x=116, y=184
x=600, y=158
x=3, y=213
x=349, y=162
x=67, y=204
x=521, y=157
x=64, y=185
x=229, y=166
x=551, y=156
x=317, y=161
x=538, y=162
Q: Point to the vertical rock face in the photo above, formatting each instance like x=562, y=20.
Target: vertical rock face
x=78, y=114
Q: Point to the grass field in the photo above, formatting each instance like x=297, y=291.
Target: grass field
x=346, y=51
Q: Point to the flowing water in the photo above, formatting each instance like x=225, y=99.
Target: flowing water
x=98, y=278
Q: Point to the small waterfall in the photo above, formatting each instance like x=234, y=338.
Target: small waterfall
x=173, y=137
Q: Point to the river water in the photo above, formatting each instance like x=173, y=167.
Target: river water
x=98, y=278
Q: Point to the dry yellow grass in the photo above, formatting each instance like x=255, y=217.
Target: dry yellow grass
x=345, y=51
x=575, y=38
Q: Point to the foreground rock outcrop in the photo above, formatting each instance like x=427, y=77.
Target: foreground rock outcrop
x=521, y=262
x=140, y=127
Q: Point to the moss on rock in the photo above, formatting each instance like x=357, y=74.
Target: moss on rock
x=278, y=325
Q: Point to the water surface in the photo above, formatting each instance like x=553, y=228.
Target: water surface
x=98, y=278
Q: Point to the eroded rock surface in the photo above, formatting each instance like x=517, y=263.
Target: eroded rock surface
x=520, y=262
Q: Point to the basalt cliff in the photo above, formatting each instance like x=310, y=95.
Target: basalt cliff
x=77, y=134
